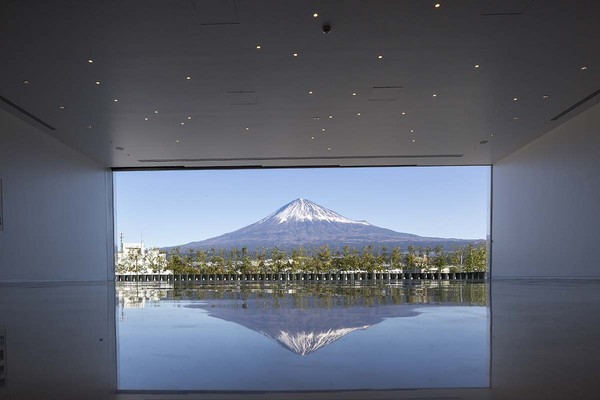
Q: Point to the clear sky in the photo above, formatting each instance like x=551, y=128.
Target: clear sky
x=168, y=208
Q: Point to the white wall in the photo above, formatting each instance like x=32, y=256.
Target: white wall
x=546, y=204
x=57, y=209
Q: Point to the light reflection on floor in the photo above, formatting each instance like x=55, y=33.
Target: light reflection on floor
x=303, y=337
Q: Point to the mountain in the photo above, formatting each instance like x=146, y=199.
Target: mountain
x=305, y=223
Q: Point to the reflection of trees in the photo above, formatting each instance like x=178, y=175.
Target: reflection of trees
x=296, y=295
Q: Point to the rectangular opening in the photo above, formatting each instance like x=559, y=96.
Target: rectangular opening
x=302, y=279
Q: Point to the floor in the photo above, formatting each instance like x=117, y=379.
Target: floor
x=60, y=343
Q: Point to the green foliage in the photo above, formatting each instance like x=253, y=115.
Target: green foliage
x=323, y=259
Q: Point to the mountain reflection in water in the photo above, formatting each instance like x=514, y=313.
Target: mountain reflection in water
x=423, y=334
x=306, y=318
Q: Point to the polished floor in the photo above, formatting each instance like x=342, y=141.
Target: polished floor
x=61, y=342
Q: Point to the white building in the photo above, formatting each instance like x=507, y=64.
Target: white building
x=135, y=258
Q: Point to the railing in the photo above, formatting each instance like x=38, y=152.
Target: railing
x=349, y=277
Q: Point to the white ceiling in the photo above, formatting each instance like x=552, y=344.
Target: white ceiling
x=143, y=52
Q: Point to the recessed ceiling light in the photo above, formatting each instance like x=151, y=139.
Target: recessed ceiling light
x=403, y=113
x=315, y=15
x=353, y=94
x=583, y=68
x=155, y=111
x=322, y=129
x=62, y=107
x=247, y=128
x=412, y=131
x=476, y=65
x=414, y=140
x=331, y=116
x=97, y=82
x=312, y=137
x=188, y=77
x=258, y=46
x=380, y=56
x=434, y=95
x=545, y=97
x=146, y=119
x=116, y=99
x=295, y=54
x=310, y=92
x=90, y=61
x=493, y=134
x=515, y=98
x=357, y=113
x=316, y=118
x=437, y=5
x=89, y=127
x=26, y=82
x=329, y=149
x=189, y=117
x=177, y=141
x=516, y=118
x=183, y=123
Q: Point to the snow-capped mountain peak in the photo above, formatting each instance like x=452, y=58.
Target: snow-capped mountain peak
x=301, y=210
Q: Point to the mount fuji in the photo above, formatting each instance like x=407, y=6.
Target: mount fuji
x=305, y=223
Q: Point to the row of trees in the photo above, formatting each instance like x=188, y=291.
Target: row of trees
x=323, y=259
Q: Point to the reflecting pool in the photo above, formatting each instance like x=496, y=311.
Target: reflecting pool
x=426, y=334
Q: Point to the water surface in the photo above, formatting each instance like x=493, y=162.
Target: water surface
x=303, y=336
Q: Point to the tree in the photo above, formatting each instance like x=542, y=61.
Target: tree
x=439, y=258
x=396, y=258
x=411, y=258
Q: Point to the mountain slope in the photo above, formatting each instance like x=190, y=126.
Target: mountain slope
x=305, y=223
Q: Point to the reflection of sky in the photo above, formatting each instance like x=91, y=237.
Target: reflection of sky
x=175, y=347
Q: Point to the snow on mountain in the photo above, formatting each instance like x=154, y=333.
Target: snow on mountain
x=307, y=224
x=306, y=210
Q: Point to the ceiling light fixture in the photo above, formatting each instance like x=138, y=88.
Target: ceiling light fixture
x=116, y=100
x=329, y=149
x=583, y=68
x=476, y=65
x=62, y=107
x=189, y=117
x=437, y=5
x=97, y=82
x=380, y=56
x=26, y=82
x=413, y=140
x=516, y=118
x=322, y=129
x=493, y=134
x=258, y=46
x=89, y=127
x=358, y=114
x=331, y=116
x=312, y=137
x=295, y=54
x=403, y=113
x=155, y=111
x=188, y=77
x=310, y=92
x=177, y=141
x=545, y=97
x=412, y=131
x=91, y=61
x=315, y=15
x=515, y=99
x=146, y=119
x=247, y=128
x=316, y=118
x=353, y=94
x=183, y=123
x=434, y=95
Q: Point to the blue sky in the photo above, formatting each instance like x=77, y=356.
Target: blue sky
x=176, y=207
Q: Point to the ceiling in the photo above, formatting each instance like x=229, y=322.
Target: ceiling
x=449, y=79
